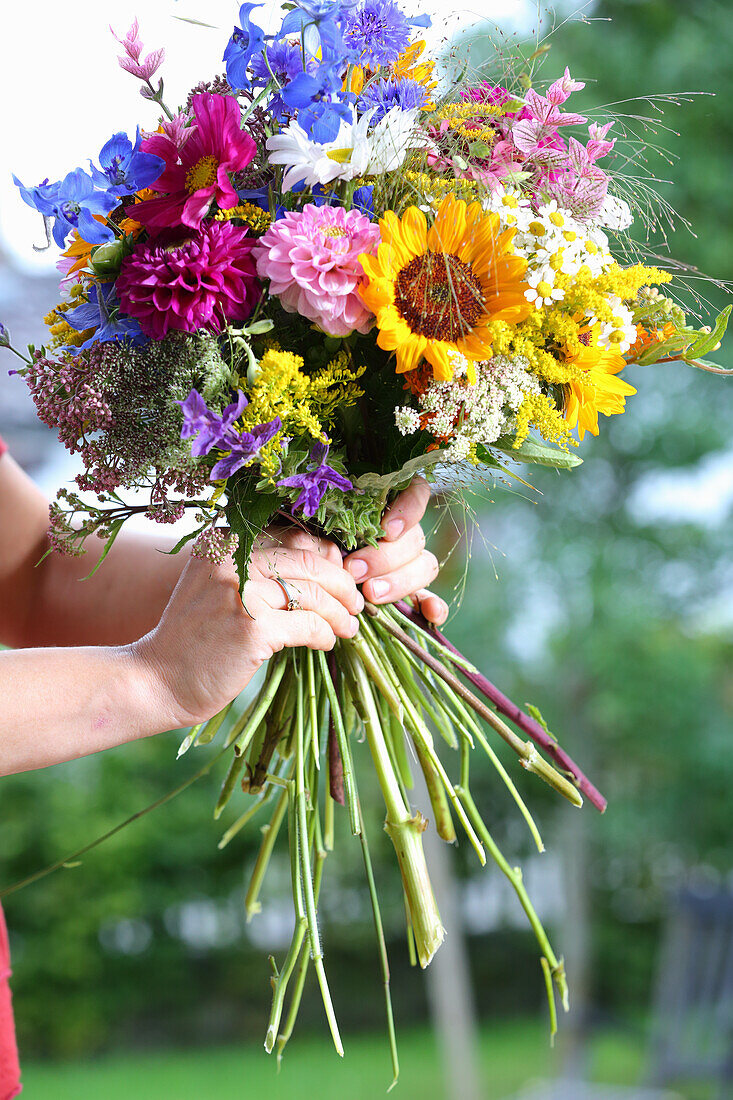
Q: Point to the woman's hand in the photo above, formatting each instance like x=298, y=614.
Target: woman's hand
x=209, y=643
x=400, y=565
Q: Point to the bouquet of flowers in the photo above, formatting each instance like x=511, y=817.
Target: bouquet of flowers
x=326, y=273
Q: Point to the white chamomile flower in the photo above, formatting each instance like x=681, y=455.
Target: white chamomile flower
x=619, y=333
x=542, y=290
x=353, y=152
x=557, y=216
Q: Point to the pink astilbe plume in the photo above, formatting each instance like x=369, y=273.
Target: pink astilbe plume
x=311, y=258
x=133, y=62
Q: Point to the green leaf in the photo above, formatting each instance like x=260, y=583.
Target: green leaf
x=377, y=483
x=675, y=345
x=534, y=450
x=708, y=341
x=248, y=512
x=113, y=533
x=182, y=541
x=479, y=149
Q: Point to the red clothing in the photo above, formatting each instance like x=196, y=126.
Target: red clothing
x=9, y=1068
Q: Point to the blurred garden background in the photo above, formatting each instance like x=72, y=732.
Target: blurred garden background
x=604, y=595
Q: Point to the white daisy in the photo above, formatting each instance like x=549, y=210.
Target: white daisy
x=353, y=152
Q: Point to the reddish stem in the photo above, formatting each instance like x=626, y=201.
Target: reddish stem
x=505, y=706
x=335, y=763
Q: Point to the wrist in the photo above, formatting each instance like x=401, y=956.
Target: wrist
x=148, y=689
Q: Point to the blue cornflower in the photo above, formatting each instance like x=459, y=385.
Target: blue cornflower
x=102, y=313
x=378, y=32
x=383, y=95
x=243, y=447
x=198, y=419
x=125, y=169
x=314, y=482
x=246, y=42
x=72, y=202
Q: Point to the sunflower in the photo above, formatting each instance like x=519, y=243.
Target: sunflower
x=435, y=291
x=597, y=389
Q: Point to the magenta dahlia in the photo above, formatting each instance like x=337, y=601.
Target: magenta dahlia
x=201, y=283
x=311, y=258
x=197, y=172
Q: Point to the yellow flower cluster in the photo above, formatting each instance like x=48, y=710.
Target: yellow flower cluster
x=61, y=332
x=305, y=403
x=258, y=220
x=539, y=410
x=429, y=185
x=458, y=114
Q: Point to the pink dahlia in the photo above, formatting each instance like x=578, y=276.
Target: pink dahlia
x=202, y=283
x=311, y=258
x=197, y=172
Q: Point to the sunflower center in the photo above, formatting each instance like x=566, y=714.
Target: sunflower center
x=439, y=296
x=202, y=174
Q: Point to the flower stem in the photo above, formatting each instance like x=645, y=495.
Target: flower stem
x=529, y=757
x=514, y=874
x=403, y=829
x=505, y=706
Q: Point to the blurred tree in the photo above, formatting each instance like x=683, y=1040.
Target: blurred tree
x=610, y=584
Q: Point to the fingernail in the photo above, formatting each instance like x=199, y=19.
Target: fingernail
x=395, y=527
x=380, y=588
x=354, y=626
x=359, y=601
x=357, y=567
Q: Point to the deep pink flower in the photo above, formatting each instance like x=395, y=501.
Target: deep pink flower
x=202, y=283
x=198, y=173
x=311, y=258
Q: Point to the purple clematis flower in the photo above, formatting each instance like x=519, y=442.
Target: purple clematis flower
x=315, y=481
x=243, y=447
x=198, y=419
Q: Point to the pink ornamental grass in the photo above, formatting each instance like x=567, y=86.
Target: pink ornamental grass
x=311, y=258
x=133, y=62
x=202, y=283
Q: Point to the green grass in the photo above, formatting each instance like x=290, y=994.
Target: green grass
x=512, y=1053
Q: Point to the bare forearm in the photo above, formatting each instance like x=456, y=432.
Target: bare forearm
x=59, y=704
x=122, y=601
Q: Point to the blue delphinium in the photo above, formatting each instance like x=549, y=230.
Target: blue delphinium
x=285, y=63
x=102, y=313
x=378, y=32
x=124, y=168
x=246, y=42
x=72, y=203
x=315, y=481
x=383, y=95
